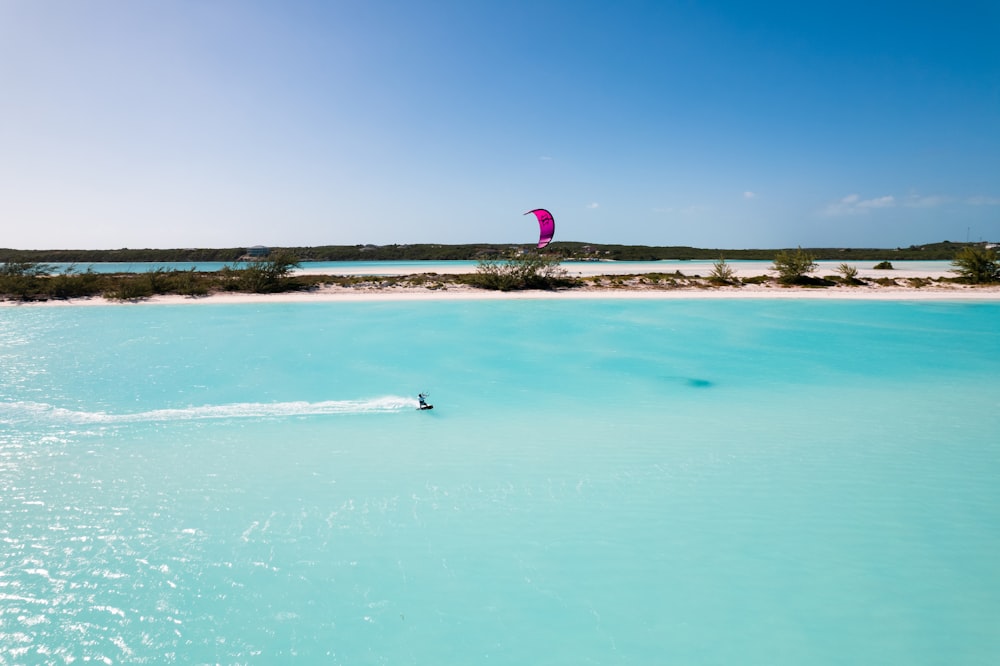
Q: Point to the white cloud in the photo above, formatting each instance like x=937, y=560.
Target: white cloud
x=545, y=158
x=882, y=202
x=845, y=206
x=921, y=201
x=593, y=205
x=853, y=204
x=749, y=195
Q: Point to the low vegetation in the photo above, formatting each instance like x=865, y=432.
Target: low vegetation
x=20, y=278
x=517, y=271
x=722, y=273
x=30, y=281
x=849, y=275
x=976, y=264
x=266, y=276
x=794, y=266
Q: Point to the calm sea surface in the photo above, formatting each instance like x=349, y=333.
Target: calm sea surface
x=600, y=482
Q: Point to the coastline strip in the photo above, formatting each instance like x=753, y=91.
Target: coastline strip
x=388, y=294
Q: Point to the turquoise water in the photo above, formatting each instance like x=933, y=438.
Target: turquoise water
x=365, y=267
x=138, y=266
x=600, y=482
x=371, y=267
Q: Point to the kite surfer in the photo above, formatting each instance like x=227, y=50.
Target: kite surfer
x=422, y=399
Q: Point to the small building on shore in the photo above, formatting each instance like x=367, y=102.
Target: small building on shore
x=258, y=251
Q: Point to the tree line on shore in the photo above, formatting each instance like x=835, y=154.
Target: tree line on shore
x=564, y=250
x=515, y=270
x=28, y=280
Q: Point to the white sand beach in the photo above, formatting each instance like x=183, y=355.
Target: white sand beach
x=635, y=288
x=333, y=294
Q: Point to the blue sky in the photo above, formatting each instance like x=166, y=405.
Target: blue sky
x=218, y=123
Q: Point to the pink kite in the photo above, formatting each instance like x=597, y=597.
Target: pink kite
x=546, y=226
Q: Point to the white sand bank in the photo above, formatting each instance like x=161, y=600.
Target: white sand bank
x=635, y=289
x=337, y=294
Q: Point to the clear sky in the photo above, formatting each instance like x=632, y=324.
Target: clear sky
x=220, y=123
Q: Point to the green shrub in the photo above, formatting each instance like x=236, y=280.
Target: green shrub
x=23, y=280
x=793, y=266
x=530, y=270
x=71, y=284
x=128, y=288
x=849, y=274
x=190, y=283
x=159, y=280
x=263, y=277
x=883, y=266
x=977, y=264
x=722, y=273
x=21, y=287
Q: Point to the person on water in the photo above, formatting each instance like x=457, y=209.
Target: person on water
x=422, y=397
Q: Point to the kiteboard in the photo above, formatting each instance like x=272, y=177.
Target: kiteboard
x=423, y=407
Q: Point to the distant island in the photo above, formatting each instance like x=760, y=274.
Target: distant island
x=563, y=250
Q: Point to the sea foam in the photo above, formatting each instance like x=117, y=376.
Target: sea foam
x=15, y=412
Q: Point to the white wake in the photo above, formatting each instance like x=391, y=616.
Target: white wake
x=11, y=412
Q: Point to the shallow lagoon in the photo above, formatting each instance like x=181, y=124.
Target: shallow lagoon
x=600, y=482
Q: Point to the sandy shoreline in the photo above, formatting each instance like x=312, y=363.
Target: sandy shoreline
x=624, y=282
x=339, y=294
